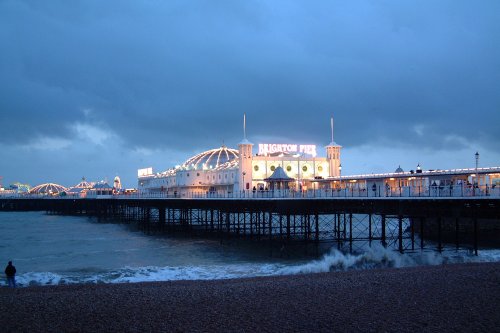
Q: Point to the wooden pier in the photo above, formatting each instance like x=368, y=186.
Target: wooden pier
x=405, y=224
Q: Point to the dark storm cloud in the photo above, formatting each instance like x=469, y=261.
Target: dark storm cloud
x=181, y=74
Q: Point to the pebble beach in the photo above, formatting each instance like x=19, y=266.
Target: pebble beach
x=447, y=298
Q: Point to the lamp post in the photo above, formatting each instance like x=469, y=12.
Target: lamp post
x=340, y=176
x=477, y=163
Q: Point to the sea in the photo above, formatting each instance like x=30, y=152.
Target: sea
x=55, y=249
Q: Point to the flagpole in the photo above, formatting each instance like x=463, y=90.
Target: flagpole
x=331, y=125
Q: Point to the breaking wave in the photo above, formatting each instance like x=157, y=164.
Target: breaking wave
x=373, y=257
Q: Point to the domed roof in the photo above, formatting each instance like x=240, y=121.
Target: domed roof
x=399, y=170
x=211, y=159
x=48, y=188
x=83, y=184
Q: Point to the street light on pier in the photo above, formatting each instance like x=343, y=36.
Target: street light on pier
x=340, y=175
x=477, y=163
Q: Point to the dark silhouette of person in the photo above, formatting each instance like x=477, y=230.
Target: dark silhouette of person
x=10, y=271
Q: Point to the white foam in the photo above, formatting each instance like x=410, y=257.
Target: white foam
x=379, y=257
x=373, y=257
x=38, y=278
x=194, y=272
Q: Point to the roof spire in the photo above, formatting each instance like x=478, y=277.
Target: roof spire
x=244, y=126
x=331, y=125
x=245, y=141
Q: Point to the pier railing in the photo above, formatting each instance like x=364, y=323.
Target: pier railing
x=454, y=191
x=451, y=191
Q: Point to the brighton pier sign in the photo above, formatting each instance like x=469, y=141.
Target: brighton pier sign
x=271, y=148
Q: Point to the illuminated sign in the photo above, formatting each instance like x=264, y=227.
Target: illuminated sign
x=144, y=172
x=271, y=148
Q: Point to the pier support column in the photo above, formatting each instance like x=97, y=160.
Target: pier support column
x=350, y=232
x=370, y=229
x=238, y=223
x=206, y=220
x=422, y=222
x=161, y=216
x=244, y=222
x=384, y=243
x=440, y=241
x=412, y=227
x=287, y=227
x=281, y=226
x=400, y=233
x=251, y=224
x=475, y=236
x=339, y=245
x=270, y=221
x=316, y=224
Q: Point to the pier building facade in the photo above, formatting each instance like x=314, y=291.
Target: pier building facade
x=225, y=170
x=296, y=169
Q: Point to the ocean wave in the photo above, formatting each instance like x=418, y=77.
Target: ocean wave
x=40, y=279
x=373, y=257
x=149, y=274
x=378, y=256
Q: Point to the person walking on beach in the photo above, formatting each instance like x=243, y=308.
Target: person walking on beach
x=10, y=271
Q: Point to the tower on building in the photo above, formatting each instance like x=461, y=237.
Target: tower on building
x=117, y=183
x=333, y=155
x=245, y=160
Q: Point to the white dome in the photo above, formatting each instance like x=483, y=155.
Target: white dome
x=48, y=188
x=211, y=159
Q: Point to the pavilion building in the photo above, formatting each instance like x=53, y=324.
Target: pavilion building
x=225, y=170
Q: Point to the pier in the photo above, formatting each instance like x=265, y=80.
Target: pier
x=404, y=224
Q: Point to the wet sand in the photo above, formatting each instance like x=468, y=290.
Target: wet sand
x=458, y=298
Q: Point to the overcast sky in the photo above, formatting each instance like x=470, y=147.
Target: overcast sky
x=102, y=88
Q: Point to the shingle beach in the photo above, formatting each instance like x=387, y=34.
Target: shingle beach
x=449, y=298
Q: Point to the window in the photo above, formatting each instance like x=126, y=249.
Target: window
x=256, y=167
x=304, y=168
x=320, y=168
x=197, y=174
x=288, y=168
x=273, y=168
x=187, y=174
